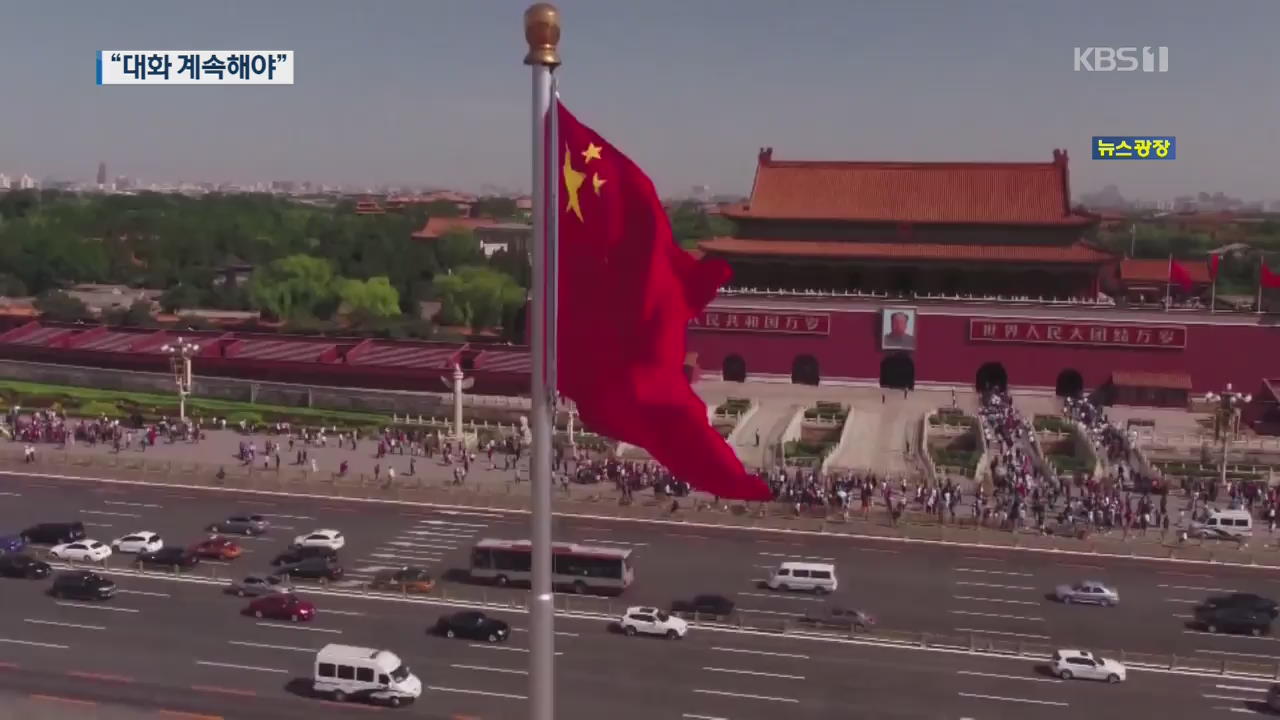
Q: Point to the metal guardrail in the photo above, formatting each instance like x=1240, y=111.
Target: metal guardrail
x=610, y=609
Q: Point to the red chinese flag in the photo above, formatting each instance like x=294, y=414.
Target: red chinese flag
x=1214, y=261
x=1266, y=278
x=1179, y=276
x=627, y=293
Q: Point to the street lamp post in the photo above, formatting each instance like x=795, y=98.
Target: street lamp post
x=1229, y=404
x=180, y=354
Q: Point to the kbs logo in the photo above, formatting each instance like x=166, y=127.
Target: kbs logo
x=1122, y=59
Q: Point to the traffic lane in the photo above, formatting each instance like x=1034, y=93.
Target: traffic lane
x=888, y=581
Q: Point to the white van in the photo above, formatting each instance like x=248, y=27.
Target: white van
x=346, y=671
x=793, y=575
x=1224, y=523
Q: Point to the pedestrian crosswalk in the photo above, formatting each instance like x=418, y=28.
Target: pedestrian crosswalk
x=425, y=543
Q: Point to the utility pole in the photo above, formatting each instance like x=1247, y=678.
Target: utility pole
x=1229, y=403
x=180, y=354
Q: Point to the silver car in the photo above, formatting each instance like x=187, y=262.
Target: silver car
x=258, y=585
x=241, y=524
x=1087, y=591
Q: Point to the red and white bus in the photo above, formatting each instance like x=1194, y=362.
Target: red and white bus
x=575, y=568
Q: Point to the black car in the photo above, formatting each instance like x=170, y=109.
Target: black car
x=474, y=626
x=1226, y=618
x=82, y=585
x=1245, y=600
x=313, y=568
x=54, y=533
x=16, y=565
x=704, y=605
x=839, y=618
x=168, y=557
x=298, y=554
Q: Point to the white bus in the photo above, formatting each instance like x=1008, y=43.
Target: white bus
x=576, y=568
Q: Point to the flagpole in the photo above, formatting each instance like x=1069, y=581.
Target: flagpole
x=1168, y=283
x=1261, y=260
x=542, y=32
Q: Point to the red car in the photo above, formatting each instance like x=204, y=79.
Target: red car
x=281, y=607
x=217, y=548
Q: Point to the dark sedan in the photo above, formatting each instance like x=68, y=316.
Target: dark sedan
x=314, y=568
x=168, y=557
x=704, y=605
x=54, y=533
x=473, y=625
x=1248, y=601
x=298, y=554
x=839, y=618
x=15, y=565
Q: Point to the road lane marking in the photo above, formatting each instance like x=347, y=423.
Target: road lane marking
x=486, y=693
x=98, y=525
x=504, y=648
x=1238, y=654
x=1179, y=600
x=87, y=606
x=1081, y=567
x=878, y=550
x=473, y=514
x=282, y=626
x=617, y=542
x=796, y=656
x=981, y=559
x=411, y=534
x=11, y=494
x=131, y=504
x=1213, y=696
x=282, y=527
x=996, y=615
x=224, y=690
x=406, y=556
x=288, y=517
x=1181, y=574
x=768, y=612
x=776, y=596
x=1198, y=589
x=233, y=666
x=108, y=677
x=353, y=613
x=33, y=643
x=447, y=523
x=794, y=555
x=1230, y=637
x=294, y=648
x=184, y=715
x=994, y=572
x=747, y=696
x=62, y=624
x=1241, y=688
x=970, y=598
x=482, y=668
x=143, y=592
x=1238, y=710
x=61, y=699
x=1012, y=699
x=994, y=585
x=782, y=676
x=110, y=514
x=1003, y=632
x=558, y=632
x=412, y=544
x=691, y=716
x=975, y=673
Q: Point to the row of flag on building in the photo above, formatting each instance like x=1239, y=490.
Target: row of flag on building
x=1181, y=276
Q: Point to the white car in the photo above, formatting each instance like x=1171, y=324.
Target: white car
x=142, y=541
x=82, y=550
x=331, y=539
x=652, y=621
x=1068, y=664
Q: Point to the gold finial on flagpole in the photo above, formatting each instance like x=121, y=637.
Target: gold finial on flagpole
x=542, y=32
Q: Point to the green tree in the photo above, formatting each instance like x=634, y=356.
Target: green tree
x=369, y=300
x=293, y=287
x=180, y=297
x=443, y=208
x=496, y=206
x=478, y=297
x=458, y=247
x=690, y=225
x=12, y=285
x=61, y=306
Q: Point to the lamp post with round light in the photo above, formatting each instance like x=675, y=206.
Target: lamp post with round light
x=180, y=353
x=1227, y=418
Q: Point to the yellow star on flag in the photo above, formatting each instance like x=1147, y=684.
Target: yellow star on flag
x=597, y=182
x=591, y=153
x=572, y=182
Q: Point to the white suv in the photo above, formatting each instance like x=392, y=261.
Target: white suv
x=1068, y=664
x=652, y=621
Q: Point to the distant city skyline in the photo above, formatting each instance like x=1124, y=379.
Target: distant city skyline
x=433, y=94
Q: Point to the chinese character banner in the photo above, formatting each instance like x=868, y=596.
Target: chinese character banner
x=1070, y=333
x=763, y=322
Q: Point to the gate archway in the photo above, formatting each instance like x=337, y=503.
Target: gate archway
x=1070, y=384
x=804, y=370
x=734, y=369
x=898, y=372
x=991, y=377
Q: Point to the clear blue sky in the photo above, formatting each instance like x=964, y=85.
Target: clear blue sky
x=432, y=91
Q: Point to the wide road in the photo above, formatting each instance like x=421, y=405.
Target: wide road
x=185, y=636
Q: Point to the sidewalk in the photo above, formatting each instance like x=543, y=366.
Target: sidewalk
x=198, y=464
